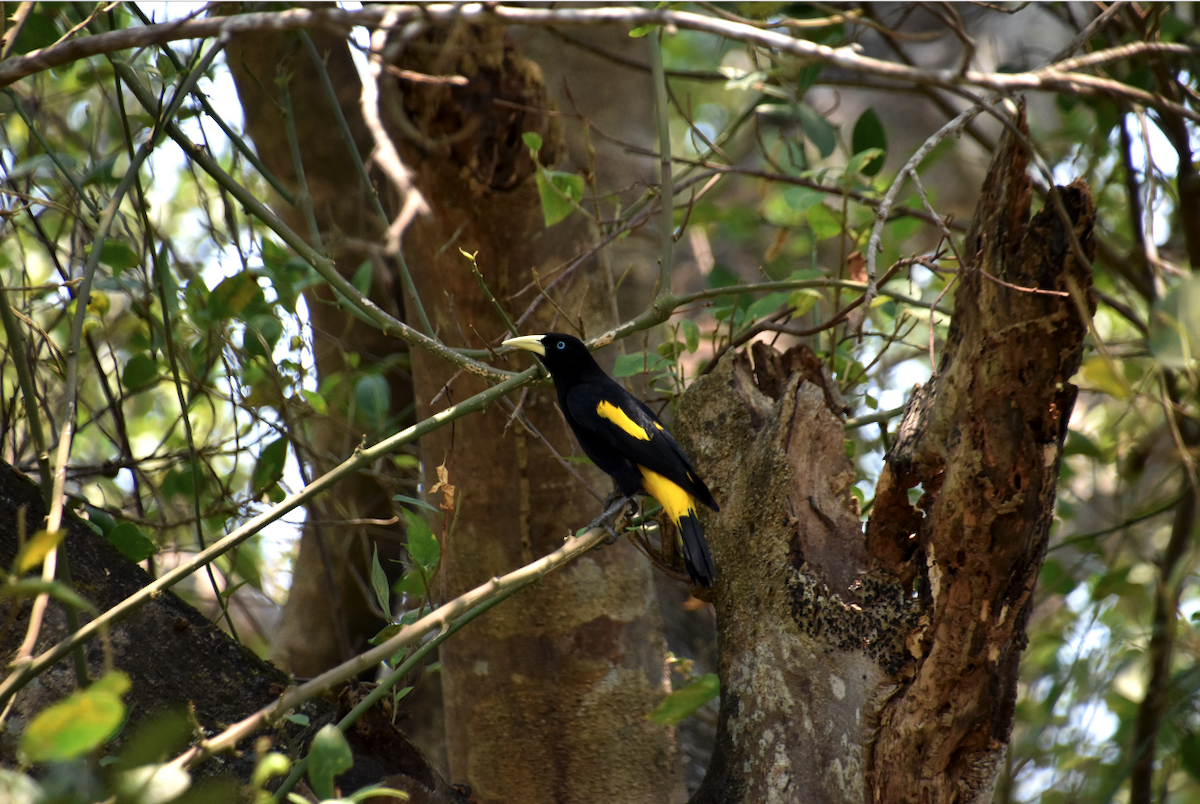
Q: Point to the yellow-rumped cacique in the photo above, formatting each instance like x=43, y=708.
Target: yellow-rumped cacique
x=624, y=438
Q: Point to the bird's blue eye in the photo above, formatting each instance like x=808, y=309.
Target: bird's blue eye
x=562, y=344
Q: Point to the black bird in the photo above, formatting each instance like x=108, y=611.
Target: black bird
x=624, y=438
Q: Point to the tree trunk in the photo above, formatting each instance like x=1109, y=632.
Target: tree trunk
x=885, y=668
x=545, y=697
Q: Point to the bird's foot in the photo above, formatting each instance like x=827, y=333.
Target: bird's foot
x=613, y=506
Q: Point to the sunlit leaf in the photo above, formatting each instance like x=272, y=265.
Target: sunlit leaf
x=35, y=550
x=79, y=723
x=823, y=222
x=686, y=700
x=329, y=756
x=423, y=546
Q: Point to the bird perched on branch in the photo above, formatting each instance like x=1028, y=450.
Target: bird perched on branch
x=624, y=438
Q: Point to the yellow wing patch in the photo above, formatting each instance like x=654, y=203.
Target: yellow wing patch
x=607, y=410
x=675, y=500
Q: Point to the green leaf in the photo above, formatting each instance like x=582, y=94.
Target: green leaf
x=686, y=700
x=233, y=295
x=559, y=192
x=82, y=721
x=36, y=549
x=129, y=539
x=722, y=277
x=817, y=130
x=315, y=401
x=386, y=633
x=691, y=334
x=329, y=756
x=801, y=198
x=373, y=398
x=423, y=546
x=118, y=256
x=823, y=222
x=404, y=498
x=140, y=372
x=869, y=134
x=533, y=141
x=632, y=364
x=34, y=586
x=379, y=583
x=38, y=31
x=268, y=469
x=863, y=161
x=1175, y=325
x=641, y=30
x=766, y=305
x=362, y=278
x=1189, y=754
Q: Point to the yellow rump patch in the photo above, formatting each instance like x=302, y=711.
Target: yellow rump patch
x=675, y=500
x=607, y=410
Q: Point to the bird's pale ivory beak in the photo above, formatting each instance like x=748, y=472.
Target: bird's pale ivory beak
x=530, y=343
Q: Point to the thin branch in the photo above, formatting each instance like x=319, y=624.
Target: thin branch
x=1054, y=78
x=443, y=618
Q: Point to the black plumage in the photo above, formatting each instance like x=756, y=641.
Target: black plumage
x=624, y=438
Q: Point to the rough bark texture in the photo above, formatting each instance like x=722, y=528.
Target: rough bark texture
x=546, y=696
x=983, y=440
x=885, y=668
x=179, y=663
x=328, y=615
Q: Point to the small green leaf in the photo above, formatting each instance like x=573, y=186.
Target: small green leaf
x=77, y=724
x=404, y=498
x=315, y=401
x=423, y=546
x=233, y=295
x=36, y=549
x=298, y=719
x=817, y=130
x=1175, y=325
x=373, y=398
x=559, y=192
x=691, y=334
x=362, y=278
x=34, y=586
x=869, y=134
x=823, y=222
x=140, y=372
x=386, y=633
x=766, y=305
x=533, y=141
x=269, y=467
x=329, y=756
x=864, y=161
x=632, y=364
x=117, y=255
x=271, y=764
x=686, y=700
x=129, y=539
x=641, y=30
x=379, y=583
x=801, y=198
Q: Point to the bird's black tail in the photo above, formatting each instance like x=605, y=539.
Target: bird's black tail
x=696, y=557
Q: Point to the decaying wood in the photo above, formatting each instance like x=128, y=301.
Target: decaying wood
x=883, y=667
